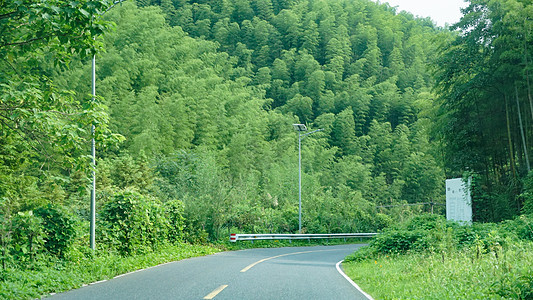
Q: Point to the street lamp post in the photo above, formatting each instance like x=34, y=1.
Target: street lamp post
x=93, y=154
x=301, y=128
x=93, y=147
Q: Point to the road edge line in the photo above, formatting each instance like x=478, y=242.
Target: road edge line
x=351, y=281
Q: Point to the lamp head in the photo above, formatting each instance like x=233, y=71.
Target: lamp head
x=299, y=127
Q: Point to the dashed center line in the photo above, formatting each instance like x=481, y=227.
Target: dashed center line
x=217, y=291
x=269, y=258
x=214, y=293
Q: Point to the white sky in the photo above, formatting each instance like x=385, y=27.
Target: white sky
x=441, y=11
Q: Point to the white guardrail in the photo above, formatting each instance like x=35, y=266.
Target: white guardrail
x=234, y=237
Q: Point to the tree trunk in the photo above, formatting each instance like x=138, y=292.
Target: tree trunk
x=526, y=60
x=510, y=140
x=522, y=130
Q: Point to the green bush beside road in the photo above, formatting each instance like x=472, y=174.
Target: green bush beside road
x=44, y=250
x=429, y=258
x=84, y=266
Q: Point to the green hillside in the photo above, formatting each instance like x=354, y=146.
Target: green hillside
x=195, y=102
x=206, y=96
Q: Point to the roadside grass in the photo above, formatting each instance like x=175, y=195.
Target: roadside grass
x=83, y=267
x=473, y=273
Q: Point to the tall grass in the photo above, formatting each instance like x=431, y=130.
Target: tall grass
x=83, y=267
x=489, y=265
x=456, y=275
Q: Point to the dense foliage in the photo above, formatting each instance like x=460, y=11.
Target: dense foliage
x=435, y=259
x=433, y=234
x=84, y=266
x=486, y=106
x=194, y=111
x=218, y=95
x=43, y=128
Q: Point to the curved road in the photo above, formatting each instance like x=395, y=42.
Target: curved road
x=280, y=273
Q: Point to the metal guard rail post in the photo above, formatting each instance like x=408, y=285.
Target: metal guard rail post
x=234, y=237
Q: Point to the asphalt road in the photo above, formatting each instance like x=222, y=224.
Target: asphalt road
x=281, y=273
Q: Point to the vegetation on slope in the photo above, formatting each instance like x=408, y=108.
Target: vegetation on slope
x=195, y=102
x=429, y=258
x=216, y=128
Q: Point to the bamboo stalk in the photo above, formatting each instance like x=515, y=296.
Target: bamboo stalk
x=522, y=129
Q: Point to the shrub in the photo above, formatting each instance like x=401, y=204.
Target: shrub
x=465, y=236
x=528, y=206
x=156, y=231
x=27, y=236
x=58, y=227
x=400, y=241
x=362, y=254
x=5, y=240
x=521, y=226
x=527, y=194
x=381, y=221
x=514, y=285
x=426, y=222
x=130, y=223
x=420, y=233
x=174, y=213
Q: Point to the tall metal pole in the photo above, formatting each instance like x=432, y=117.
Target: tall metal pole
x=93, y=147
x=93, y=152
x=299, y=182
x=300, y=128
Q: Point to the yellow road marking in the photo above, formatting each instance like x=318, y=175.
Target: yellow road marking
x=214, y=293
x=269, y=258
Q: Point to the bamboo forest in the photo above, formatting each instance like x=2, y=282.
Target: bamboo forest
x=193, y=113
